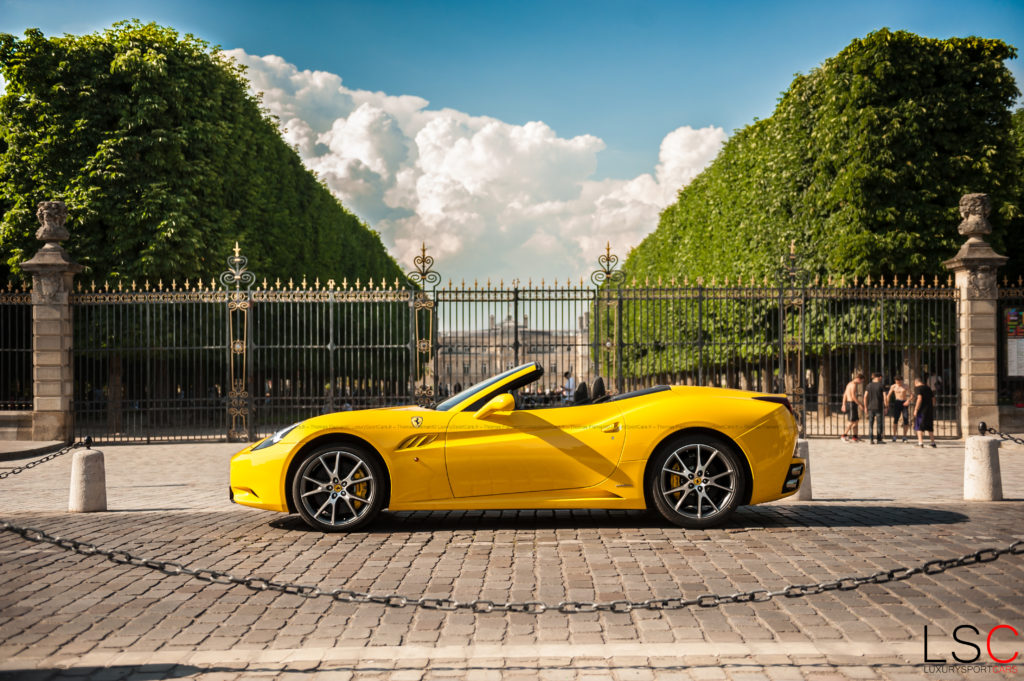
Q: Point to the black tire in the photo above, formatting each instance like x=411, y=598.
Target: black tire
x=339, y=488
x=695, y=481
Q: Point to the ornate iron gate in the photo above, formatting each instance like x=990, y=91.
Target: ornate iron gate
x=236, y=359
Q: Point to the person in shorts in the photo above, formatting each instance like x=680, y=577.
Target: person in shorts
x=896, y=398
x=851, y=407
x=924, y=411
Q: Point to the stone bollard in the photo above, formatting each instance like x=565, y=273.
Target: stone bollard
x=803, y=451
x=982, y=480
x=88, y=482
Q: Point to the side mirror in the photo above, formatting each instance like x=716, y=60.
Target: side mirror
x=502, y=404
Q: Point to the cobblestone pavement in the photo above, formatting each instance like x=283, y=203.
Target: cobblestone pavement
x=875, y=508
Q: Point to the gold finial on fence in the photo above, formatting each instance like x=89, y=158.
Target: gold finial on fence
x=277, y=283
x=344, y=283
x=106, y=285
x=316, y=284
x=726, y=280
x=936, y=283
x=369, y=284
x=358, y=285
x=160, y=284
x=133, y=286
x=686, y=280
x=700, y=281
x=424, y=274
x=463, y=284
x=817, y=280
x=174, y=285
x=867, y=281
x=330, y=284
x=714, y=280
x=922, y=281
x=765, y=281
x=187, y=284
x=672, y=281
x=304, y=282
x=476, y=283
x=1020, y=280
x=146, y=285
x=607, y=264
x=909, y=284
x=9, y=287
x=856, y=282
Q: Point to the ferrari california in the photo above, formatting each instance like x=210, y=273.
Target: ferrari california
x=694, y=454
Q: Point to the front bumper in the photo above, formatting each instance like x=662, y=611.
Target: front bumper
x=257, y=479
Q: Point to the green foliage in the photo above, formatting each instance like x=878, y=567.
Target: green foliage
x=862, y=165
x=164, y=161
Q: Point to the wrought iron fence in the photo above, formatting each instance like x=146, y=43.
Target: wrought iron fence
x=15, y=348
x=236, y=359
x=807, y=341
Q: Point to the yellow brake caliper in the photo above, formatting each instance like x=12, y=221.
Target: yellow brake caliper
x=675, y=480
x=359, y=489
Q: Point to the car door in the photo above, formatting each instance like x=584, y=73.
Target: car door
x=532, y=450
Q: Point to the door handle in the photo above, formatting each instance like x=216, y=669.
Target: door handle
x=612, y=428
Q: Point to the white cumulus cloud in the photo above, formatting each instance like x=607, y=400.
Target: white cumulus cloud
x=489, y=198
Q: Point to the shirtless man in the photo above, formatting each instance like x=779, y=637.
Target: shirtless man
x=852, y=406
x=896, y=401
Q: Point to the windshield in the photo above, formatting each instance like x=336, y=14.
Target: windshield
x=486, y=383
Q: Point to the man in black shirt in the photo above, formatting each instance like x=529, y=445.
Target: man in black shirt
x=874, y=400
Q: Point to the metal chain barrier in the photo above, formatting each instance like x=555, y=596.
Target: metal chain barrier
x=984, y=429
x=167, y=567
x=49, y=457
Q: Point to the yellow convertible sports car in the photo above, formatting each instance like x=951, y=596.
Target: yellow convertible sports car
x=692, y=453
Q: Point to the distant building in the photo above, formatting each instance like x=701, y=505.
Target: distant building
x=466, y=357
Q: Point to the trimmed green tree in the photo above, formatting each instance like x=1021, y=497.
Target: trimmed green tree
x=164, y=160
x=862, y=165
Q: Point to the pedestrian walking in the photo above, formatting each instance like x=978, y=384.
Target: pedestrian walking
x=896, y=399
x=924, y=411
x=569, y=387
x=852, y=407
x=874, y=404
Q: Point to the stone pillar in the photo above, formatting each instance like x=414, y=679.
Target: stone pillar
x=974, y=267
x=52, y=274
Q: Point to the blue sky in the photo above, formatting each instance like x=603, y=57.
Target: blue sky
x=626, y=74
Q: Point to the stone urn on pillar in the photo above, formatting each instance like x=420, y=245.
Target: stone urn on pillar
x=52, y=275
x=974, y=267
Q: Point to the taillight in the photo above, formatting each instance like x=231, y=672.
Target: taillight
x=777, y=399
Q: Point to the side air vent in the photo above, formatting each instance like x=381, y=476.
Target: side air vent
x=418, y=440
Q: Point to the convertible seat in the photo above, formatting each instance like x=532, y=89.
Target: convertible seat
x=600, y=394
x=582, y=395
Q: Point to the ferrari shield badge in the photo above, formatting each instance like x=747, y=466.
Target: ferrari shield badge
x=417, y=421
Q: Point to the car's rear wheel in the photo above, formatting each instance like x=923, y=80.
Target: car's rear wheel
x=338, y=488
x=696, y=481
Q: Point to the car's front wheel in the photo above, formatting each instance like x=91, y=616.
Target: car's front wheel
x=696, y=481
x=338, y=488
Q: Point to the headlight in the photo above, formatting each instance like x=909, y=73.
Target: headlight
x=276, y=437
